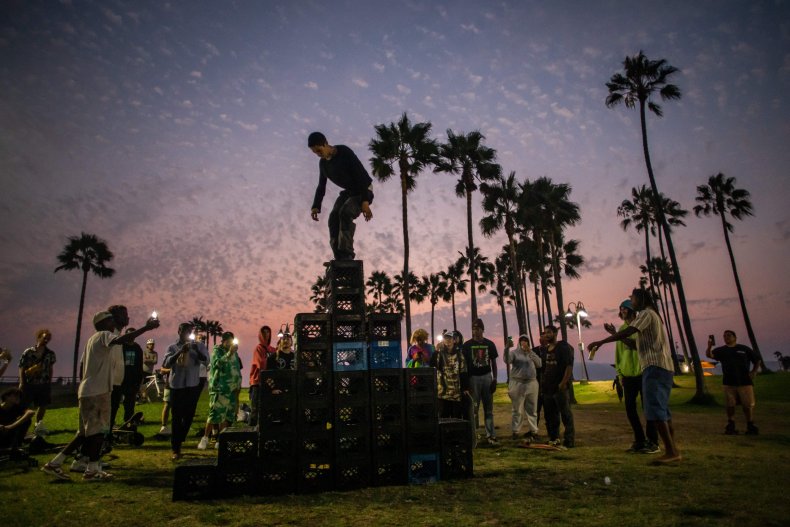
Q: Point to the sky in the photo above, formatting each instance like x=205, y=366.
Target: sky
x=177, y=132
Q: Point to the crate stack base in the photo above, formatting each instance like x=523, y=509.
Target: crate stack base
x=195, y=479
x=422, y=422
x=457, y=453
x=388, y=417
x=277, y=432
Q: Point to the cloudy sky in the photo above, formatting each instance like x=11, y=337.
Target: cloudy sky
x=176, y=131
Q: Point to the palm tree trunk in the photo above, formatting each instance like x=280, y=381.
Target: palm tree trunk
x=79, y=328
x=701, y=395
x=647, y=261
x=555, y=266
x=470, y=254
x=665, y=315
x=678, y=325
x=538, y=308
x=526, y=313
x=501, y=302
x=516, y=286
x=406, y=285
x=433, y=331
x=742, y=300
x=455, y=322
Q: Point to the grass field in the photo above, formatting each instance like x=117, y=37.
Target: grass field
x=723, y=480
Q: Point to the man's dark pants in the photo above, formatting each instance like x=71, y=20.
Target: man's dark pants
x=557, y=406
x=183, y=402
x=341, y=225
x=632, y=387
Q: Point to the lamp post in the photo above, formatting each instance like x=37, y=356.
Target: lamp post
x=578, y=314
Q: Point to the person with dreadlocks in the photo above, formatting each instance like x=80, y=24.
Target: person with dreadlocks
x=452, y=376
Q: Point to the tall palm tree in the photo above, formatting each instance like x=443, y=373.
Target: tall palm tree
x=721, y=197
x=466, y=156
x=640, y=80
x=456, y=283
x=639, y=212
x=320, y=294
x=410, y=147
x=496, y=275
x=436, y=288
x=89, y=254
x=416, y=292
x=380, y=286
x=500, y=200
x=199, y=326
x=214, y=329
x=656, y=269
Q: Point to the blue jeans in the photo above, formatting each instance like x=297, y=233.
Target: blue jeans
x=481, y=391
x=656, y=386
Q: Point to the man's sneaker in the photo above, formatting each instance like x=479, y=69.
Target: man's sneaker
x=203, y=443
x=54, y=470
x=730, y=429
x=165, y=431
x=553, y=442
x=751, y=429
x=650, y=448
x=81, y=465
x=636, y=446
x=40, y=429
x=98, y=475
x=493, y=441
x=569, y=443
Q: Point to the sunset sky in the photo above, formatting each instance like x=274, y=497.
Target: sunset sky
x=176, y=131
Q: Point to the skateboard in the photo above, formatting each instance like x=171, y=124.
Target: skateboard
x=127, y=433
x=541, y=446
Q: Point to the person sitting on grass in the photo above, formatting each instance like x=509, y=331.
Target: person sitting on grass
x=15, y=420
x=223, y=385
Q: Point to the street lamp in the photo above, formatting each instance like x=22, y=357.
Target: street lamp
x=578, y=314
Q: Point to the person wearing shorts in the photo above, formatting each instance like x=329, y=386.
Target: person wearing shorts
x=223, y=387
x=736, y=360
x=657, y=369
x=35, y=377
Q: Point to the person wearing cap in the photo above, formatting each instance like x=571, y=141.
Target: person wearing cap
x=99, y=367
x=223, y=384
x=481, y=355
x=626, y=364
x=452, y=376
x=183, y=358
x=523, y=387
x=150, y=357
x=342, y=167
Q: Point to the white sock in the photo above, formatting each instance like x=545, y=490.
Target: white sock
x=58, y=460
x=93, y=466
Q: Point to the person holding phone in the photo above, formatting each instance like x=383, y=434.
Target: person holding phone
x=738, y=378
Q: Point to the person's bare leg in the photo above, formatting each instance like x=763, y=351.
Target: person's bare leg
x=667, y=433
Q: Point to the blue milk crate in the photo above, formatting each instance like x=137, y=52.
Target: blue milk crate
x=384, y=354
x=349, y=356
x=423, y=468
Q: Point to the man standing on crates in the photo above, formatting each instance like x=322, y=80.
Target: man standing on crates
x=342, y=167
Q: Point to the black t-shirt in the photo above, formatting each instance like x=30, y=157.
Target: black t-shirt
x=735, y=362
x=347, y=172
x=285, y=361
x=478, y=355
x=133, y=364
x=554, y=365
x=9, y=414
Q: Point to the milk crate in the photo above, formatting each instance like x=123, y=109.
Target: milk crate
x=315, y=388
x=384, y=326
x=384, y=354
x=388, y=414
x=314, y=357
x=237, y=478
x=352, y=416
x=315, y=444
x=277, y=448
x=277, y=388
x=387, y=385
x=423, y=468
x=347, y=302
x=388, y=441
x=277, y=477
x=312, y=328
x=456, y=449
x=349, y=356
x=422, y=440
x=351, y=386
x=348, y=328
x=345, y=274
x=352, y=472
x=420, y=384
x=237, y=444
x=277, y=422
x=387, y=471
x=350, y=442
x=315, y=475
x=195, y=479
x=315, y=418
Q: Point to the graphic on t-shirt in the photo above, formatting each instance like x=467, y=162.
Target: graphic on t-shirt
x=479, y=356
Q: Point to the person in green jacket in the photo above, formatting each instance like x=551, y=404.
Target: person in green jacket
x=626, y=364
x=223, y=387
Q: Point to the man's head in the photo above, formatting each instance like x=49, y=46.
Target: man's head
x=43, y=336
x=626, y=309
x=227, y=339
x=448, y=340
x=120, y=314
x=184, y=329
x=150, y=343
x=318, y=144
x=730, y=338
x=523, y=342
x=266, y=334
x=478, y=327
x=103, y=321
x=640, y=299
x=550, y=334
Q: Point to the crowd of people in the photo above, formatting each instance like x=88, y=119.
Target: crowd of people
x=114, y=370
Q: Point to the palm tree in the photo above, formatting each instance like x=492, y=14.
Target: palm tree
x=90, y=254
x=380, y=286
x=413, y=151
x=656, y=270
x=199, y=326
x=500, y=200
x=214, y=329
x=466, y=156
x=640, y=80
x=639, y=212
x=416, y=293
x=720, y=197
x=436, y=288
x=320, y=294
x=496, y=275
x=456, y=283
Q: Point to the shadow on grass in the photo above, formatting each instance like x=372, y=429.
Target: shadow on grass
x=704, y=512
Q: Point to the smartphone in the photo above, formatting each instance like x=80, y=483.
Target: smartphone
x=712, y=339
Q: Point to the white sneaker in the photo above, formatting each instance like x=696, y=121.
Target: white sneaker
x=203, y=444
x=40, y=429
x=165, y=431
x=81, y=464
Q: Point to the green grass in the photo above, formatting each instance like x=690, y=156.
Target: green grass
x=723, y=480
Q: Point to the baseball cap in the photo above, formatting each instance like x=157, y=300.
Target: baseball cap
x=150, y=341
x=101, y=315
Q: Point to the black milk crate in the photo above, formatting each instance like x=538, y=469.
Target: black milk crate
x=388, y=414
x=277, y=388
x=313, y=419
x=352, y=472
x=456, y=450
x=420, y=384
x=237, y=444
x=352, y=386
x=277, y=422
x=312, y=328
x=236, y=478
x=314, y=357
x=195, y=479
x=317, y=444
x=422, y=440
x=347, y=302
x=277, y=448
x=277, y=476
x=387, y=471
x=388, y=441
x=352, y=416
x=348, y=328
x=315, y=388
x=349, y=356
x=350, y=442
x=420, y=414
x=423, y=468
x=315, y=475
x=387, y=385
x=384, y=326
x=384, y=354
x=345, y=274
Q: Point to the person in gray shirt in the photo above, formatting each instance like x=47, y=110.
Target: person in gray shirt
x=523, y=387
